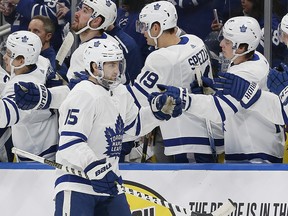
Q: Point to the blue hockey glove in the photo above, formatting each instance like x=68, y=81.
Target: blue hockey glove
x=164, y=106
x=243, y=91
x=79, y=76
x=31, y=96
x=195, y=88
x=177, y=92
x=53, y=80
x=102, y=177
x=277, y=82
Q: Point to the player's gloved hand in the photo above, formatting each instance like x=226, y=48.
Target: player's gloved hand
x=79, y=76
x=242, y=90
x=31, y=96
x=53, y=80
x=102, y=177
x=164, y=106
x=195, y=88
x=177, y=92
x=277, y=82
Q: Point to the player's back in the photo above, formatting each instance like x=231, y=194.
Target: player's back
x=175, y=65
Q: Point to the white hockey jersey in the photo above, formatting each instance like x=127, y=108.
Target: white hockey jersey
x=175, y=65
x=35, y=131
x=248, y=135
x=76, y=61
x=4, y=78
x=92, y=124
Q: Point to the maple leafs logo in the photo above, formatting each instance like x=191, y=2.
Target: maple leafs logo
x=114, y=138
x=243, y=28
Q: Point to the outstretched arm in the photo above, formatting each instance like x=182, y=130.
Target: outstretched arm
x=31, y=96
x=250, y=96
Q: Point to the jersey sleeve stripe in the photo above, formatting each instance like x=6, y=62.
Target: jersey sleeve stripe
x=69, y=144
x=8, y=114
x=219, y=108
x=137, y=86
x=229, y=103
x=138, y=125
x=74, y=134
x=133, y=95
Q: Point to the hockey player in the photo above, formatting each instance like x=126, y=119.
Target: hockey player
x=241, y=36
x=94, y=119
x=174, y=63
x=32, y=131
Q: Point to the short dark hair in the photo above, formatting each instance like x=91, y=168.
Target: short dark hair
x=48, y=24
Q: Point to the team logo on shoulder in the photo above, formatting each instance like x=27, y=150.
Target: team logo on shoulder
x=114, y=138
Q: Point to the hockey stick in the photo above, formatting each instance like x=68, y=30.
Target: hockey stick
x=224, y=210
x=207, y=122
x=63, y=51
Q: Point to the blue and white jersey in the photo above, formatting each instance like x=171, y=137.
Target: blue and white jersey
x=249, y=136
x=35, y=131
x=93, y=122
x=175, y=65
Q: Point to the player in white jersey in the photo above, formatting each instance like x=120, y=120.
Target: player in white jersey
x=94, y=119
x=174, y=63
x=249, y=136
x=268, y=104
x=32, y=131
x=5, y=133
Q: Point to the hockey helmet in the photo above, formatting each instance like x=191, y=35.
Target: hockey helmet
x=105, y=8
x=26, y=44
x=101, y=51
x=242, y=30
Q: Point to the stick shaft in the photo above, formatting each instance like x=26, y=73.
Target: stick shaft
x=224, y=210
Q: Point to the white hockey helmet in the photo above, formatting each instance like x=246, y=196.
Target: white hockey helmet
x=283, y=30
x=101, y=51
x=163, y=12
x=26, y=44
x=105, y=8
x=242, y=30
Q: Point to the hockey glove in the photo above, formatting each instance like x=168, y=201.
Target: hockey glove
x=243, y=91
x=31, y=96
x=277, y=82
x=195, y=88
x=177, y=92
x=102, y=177
x=164, y=106
x=53, y=80
x=79, y=76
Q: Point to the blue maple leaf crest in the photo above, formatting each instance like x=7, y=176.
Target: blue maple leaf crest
x=243, y=28
x=96, y=44
x=108, y=3
x=157, y=6
x=24, y=39
x=114, y=138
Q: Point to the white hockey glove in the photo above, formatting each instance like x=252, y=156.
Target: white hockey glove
x=31, y=96
x=102, y=177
